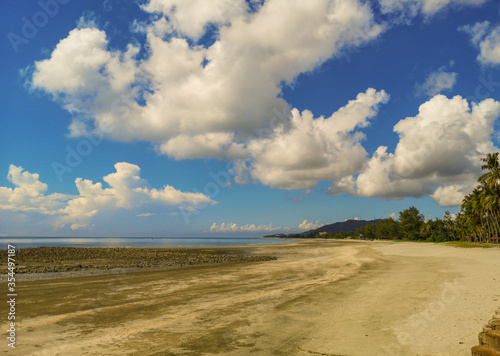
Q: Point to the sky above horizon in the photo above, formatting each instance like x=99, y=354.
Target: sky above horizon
x=241, y=118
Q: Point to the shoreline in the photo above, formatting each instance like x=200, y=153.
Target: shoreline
x=97, y=260
x=138, y=242
x=318, y=297
x=244, y=250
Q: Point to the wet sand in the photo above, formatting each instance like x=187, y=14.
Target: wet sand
x=65, y=259
x=319, y=297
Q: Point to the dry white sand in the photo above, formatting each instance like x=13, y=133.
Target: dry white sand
x=320, y=298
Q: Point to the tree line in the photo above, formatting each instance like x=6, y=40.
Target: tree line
x=478, y=219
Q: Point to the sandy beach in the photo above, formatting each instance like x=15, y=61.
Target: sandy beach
x=320, y=297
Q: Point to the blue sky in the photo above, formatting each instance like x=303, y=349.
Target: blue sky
x=241, y=118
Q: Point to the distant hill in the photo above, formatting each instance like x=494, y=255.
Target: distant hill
x=344, y=226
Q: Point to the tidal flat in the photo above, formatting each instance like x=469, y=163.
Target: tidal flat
x=317, y=297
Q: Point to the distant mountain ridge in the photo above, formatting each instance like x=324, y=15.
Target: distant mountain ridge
x=344, y=226
x=341, y=226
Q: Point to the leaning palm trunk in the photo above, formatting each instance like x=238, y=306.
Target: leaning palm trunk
x=487, y=230
x=497, y=227
x=488, y=227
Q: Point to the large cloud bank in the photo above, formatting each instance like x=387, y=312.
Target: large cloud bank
x=194, y=98
x=201, y=98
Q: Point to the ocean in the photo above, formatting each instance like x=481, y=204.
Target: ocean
x=170, y=242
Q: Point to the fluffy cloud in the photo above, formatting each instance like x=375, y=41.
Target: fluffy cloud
x=127, y=190
x=232, y=227
x=487, y=39
x=452, y=194
x=80, y=226
x=436, y=82
x=215, y=145
x=206, y=99
x=312, y=149
x=28, y=194
x=190, y=17
x=86, y=49
x=309, y=225
x=91, y=82
x=439, y=148
x=426, y=7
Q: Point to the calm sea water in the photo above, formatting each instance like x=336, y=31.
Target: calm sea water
x=26, y=242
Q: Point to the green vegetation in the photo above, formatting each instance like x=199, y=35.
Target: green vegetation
x=477, y=222
x=478, y=218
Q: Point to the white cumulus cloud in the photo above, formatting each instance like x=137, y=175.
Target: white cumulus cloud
x=28, y=194
x=314, y=149
x=190, y=17
x=487, y=39
x=452, y=194
x=126, y=190
x=233, y=227
x=437, y=82
x=438, y=153
x=426, y=7
x=305, y=225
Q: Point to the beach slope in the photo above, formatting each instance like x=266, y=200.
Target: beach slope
x=320, y=297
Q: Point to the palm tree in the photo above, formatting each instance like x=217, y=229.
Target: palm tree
x=474, y=212
x=491, y=183
x=480, y=210
x=490, y=201
x=426, y=229
x=490, y=179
